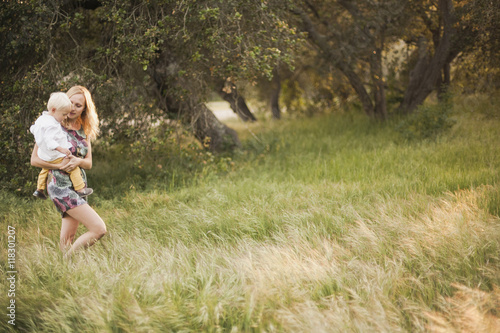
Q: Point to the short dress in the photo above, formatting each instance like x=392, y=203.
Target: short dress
x=59, y=185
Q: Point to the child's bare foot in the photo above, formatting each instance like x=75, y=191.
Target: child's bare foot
x=40, y=194
x=85, y=192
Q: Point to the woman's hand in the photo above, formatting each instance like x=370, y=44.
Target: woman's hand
x=70, y=163
x=64, y=162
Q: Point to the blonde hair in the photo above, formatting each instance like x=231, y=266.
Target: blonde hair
x=58, y=100
x=88, y=119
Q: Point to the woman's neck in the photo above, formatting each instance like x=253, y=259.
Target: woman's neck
x=74, y=125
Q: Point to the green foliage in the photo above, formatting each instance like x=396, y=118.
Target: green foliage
x=135, y=58
x=15, y=151
x=163, y=158
x=16, y=142
x=427, y=122
x=25, y=33
x=481, y=61
x=201, y=39
x=313, y=90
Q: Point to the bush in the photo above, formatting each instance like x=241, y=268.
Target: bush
x=427, y=122
x=165, y=157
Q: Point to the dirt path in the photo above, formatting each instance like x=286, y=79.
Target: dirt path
x=222, y=110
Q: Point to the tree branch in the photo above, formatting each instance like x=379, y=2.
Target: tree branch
x=351, y=8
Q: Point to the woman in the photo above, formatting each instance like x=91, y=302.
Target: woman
x=81, y=126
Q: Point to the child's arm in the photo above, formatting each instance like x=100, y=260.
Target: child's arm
x=64, y=151
x=84, y=163
x=53, y=137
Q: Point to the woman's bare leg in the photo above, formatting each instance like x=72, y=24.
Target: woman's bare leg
x=69, y=227
x=92, y=221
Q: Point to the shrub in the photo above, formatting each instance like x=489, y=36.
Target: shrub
x=427, y=122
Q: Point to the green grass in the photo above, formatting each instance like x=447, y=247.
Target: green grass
x=325, y=224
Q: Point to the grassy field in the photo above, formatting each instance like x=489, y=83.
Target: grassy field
x=325, y=224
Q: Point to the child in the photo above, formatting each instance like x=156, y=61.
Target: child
x=53, y=144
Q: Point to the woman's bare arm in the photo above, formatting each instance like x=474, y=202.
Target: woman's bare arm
x=39, y=163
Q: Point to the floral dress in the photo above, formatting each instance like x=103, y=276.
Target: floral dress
x=59, y=185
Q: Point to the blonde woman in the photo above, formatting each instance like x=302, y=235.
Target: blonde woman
x=81, y=126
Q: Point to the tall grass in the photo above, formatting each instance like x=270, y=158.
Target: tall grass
x=328, y=224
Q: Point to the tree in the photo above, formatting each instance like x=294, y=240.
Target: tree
x=443, y=30
x=478, y=65
x=137, y=57
x=184, y=45
x=230, y=94
x=275, y=95
x=484, y=16
x=426, y=75
x=26, y=49
x=352, y=36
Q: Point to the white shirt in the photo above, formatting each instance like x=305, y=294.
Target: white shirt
x=48, y=136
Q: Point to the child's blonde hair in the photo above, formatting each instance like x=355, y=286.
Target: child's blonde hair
x=58, y=100
x=88, y=118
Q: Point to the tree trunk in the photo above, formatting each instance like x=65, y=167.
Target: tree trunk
x=359, y=88
x=336, y=58
x=444, y=82
x=377, y=77
x=230, y=94
x=275, y=96
x=213, y=134
x=206, y=128
x=428, y=69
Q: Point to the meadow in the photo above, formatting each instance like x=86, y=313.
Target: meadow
x=332, y=223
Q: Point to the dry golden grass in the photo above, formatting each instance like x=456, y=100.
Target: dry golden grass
x=469, y=311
